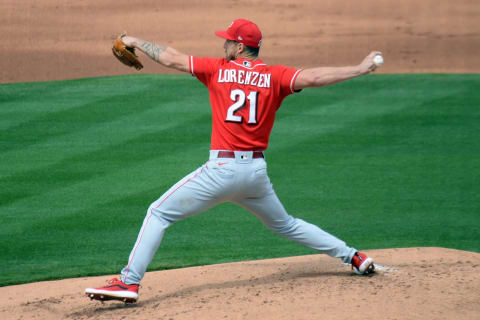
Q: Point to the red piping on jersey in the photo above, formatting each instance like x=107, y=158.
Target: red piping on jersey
x=150, y=215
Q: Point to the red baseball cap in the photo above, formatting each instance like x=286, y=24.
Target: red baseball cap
x=243, y=31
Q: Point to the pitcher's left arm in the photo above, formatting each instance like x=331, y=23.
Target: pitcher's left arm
x=166, y=56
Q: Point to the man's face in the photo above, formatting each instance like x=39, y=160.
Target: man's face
x=230, y=50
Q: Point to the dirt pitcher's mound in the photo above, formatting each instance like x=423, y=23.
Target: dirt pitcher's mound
x=415, y=283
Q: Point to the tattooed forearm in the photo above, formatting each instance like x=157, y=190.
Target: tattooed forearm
x=165, y=55
x=152, y=50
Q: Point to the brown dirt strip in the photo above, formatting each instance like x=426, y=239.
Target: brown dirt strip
x=414, y=283
x=56, y=40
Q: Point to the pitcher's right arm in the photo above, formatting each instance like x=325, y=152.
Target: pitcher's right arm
x=324, y=76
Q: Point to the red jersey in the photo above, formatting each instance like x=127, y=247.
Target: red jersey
x=245, y=96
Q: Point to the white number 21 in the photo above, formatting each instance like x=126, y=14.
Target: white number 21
x=238, y=96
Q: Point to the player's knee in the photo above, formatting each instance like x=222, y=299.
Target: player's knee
x=158, y=212
x=284, y=227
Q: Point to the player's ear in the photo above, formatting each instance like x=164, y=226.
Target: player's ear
x=240, y=47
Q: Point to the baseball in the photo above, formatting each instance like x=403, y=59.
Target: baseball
x=378, y=60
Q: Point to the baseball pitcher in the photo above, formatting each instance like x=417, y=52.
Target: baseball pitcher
x=245, y=94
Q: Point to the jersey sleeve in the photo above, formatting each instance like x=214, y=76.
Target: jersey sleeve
x=204, y=68
x=287, y=78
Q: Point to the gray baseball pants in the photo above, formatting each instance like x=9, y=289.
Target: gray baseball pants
x=241, y=180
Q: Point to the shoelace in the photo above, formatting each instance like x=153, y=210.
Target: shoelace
x=114, y=280
x=111, y=281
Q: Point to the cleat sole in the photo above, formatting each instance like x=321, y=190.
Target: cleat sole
x=102, y=298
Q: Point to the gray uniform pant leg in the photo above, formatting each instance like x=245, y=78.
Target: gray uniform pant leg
x=274, y=216
x=186, y=198
x=243, y=182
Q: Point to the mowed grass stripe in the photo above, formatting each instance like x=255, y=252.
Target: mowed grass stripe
x=102, y=135
x=29, y=103
x=413, y=160
x=111, y=158
x=395, y=155
x=104, y=142
x=110, y=116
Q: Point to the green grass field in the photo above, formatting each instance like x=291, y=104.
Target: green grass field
x=380, y=161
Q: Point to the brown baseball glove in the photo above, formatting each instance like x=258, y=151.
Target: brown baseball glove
x=125, y=54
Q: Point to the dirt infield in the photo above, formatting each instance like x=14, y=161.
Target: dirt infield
x=416, y=283
x=58, y=39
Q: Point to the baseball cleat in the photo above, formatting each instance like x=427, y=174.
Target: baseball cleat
x=114, y=290
x=361, y=264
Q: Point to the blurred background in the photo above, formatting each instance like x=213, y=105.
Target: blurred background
x=65, y=39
